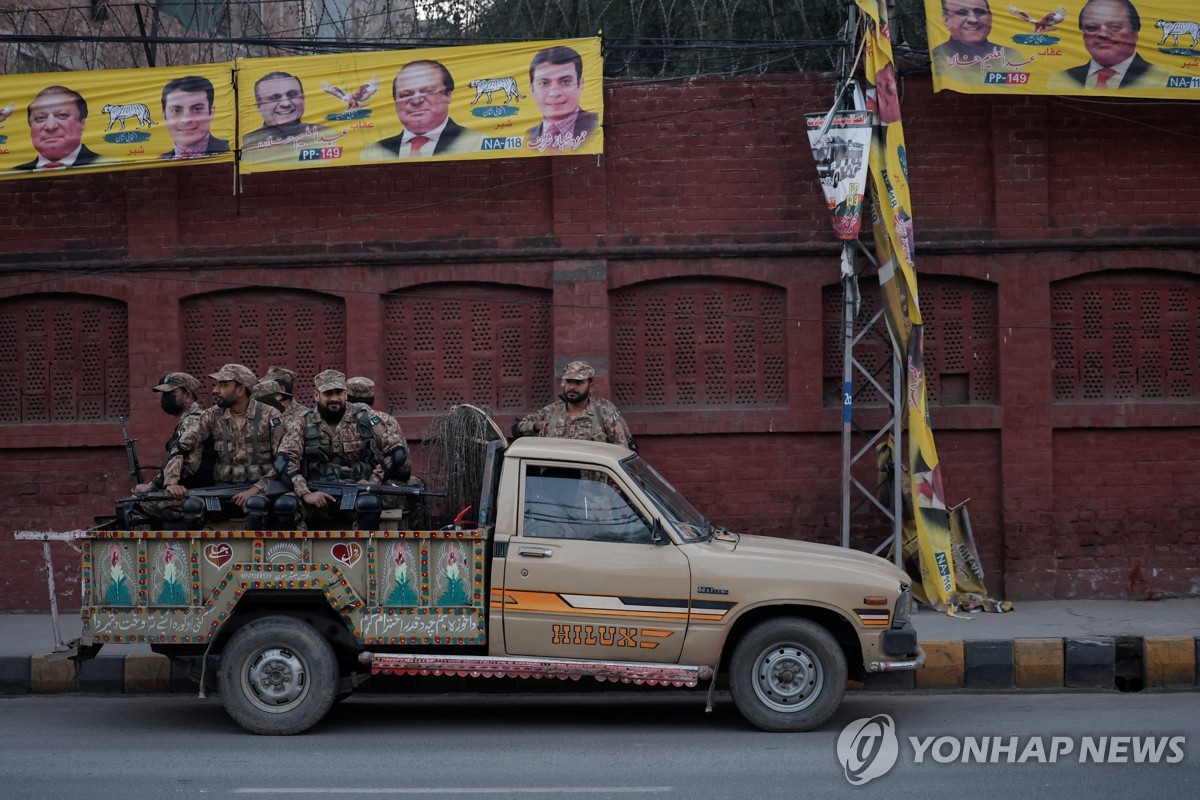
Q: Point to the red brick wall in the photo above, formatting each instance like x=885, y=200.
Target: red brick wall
x=706, y=186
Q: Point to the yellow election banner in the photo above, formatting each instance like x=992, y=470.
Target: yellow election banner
x=451, y=103
x=106, y=120
x=1147, y=48
x=895, y=248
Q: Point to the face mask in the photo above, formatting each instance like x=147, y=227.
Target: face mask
x=170, y=402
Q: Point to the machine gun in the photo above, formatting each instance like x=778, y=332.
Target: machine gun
x=347, y=493
x=135, y=469
x=208, y=499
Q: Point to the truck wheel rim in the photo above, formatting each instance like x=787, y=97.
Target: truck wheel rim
x=787, y=678
x=276, y=679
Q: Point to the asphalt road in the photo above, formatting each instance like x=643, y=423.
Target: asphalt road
x=596, y=746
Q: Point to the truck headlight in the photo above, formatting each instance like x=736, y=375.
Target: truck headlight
x=904, y=607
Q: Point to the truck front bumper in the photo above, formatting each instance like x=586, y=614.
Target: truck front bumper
x=900, y=651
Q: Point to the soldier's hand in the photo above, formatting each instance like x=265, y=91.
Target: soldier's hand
x=141, y=488
x=240, y=498
x=176, y=491
x=318, y=499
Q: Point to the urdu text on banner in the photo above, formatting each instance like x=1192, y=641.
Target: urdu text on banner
x=455, y=103
x=1147, y=48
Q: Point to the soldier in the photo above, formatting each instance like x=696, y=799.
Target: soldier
x=286, y=379
x=337, y=441
x=271, y=393
x=362, y=390
x=246, y=435
x=177, y=395
x=578, y=415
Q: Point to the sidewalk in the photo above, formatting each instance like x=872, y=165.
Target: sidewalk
x=1099, y=645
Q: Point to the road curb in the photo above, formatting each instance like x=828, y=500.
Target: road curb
x=1095, y=663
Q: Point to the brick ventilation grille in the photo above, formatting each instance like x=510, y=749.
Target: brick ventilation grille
x=1122, y=337
x=67, y=359
x=480, y=344
x=961, y=343
x=299, y=330
x=699, y=344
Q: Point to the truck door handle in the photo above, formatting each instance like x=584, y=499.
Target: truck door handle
x=535, y=552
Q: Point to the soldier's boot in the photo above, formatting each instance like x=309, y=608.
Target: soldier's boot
x=257, y=510
x=367, y=512
x=283, y=512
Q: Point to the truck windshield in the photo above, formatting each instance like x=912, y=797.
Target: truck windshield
x=690, y=522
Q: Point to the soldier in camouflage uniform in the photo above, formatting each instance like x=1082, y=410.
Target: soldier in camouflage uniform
x=362, y=390
x=578, y=415
x=177, y=396
x=286, y=379
x=337, y=441
x=246, y=435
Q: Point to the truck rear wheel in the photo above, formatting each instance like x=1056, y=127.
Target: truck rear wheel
x=279, y=676
x=787, y=674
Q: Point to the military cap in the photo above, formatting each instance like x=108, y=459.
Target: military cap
x=177, y=380
x=235, y=372
x=266, y=389
x=361, y=387
x=329, y=380
x=578, y=371
x=282, y=374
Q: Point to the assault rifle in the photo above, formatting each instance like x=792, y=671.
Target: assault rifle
x=346, y=493
x=212, y=495
x=135, y=469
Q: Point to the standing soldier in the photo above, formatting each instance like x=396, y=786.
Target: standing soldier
x=246, y=435
x=578, y=415
x=338, y=441
x=286, y=379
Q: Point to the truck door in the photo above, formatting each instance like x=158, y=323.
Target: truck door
x=584, y=578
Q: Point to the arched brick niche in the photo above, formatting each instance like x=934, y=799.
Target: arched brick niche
x=961, y=342
x=698, y=343
x=257, y=328
x=483, y=344
x=1126, y=336
x=66, y=358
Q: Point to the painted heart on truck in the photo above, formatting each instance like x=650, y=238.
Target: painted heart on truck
x=347, y=552
x=218, y=554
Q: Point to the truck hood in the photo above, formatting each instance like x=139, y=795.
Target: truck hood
x=768, y=556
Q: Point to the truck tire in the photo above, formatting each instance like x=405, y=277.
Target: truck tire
x=787, y=674
x=279, y=676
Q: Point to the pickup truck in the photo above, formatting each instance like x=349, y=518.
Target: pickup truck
x=583, y=561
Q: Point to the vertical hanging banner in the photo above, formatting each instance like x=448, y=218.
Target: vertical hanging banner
x=105, y=120
x=895, y=244
x=841, y=159
x=521, y=99
x=1127, y=48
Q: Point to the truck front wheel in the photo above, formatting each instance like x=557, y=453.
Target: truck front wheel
x=787, y=674
x=279, y=676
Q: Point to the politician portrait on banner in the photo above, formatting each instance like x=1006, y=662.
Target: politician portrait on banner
x=1131, y=48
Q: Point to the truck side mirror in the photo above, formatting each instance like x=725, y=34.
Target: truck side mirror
x=658, y=534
